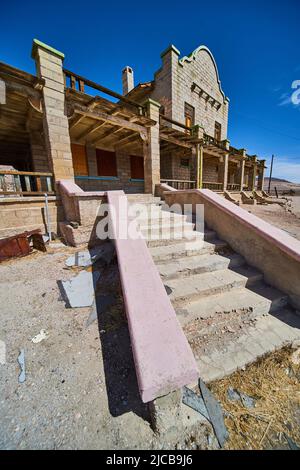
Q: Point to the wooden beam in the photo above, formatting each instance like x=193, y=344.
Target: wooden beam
x=91, y=130
x=175, y=141
x=126, y=139
x=117, y=121
x=107, y=134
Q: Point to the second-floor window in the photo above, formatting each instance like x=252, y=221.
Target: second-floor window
x=189, y=115
x=218, y=131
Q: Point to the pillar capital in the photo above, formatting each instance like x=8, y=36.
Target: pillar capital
x=39, y=45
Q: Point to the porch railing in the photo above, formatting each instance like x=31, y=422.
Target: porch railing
x=233, y=187
x=25, y=183
x=212, y=186
x=180, y=184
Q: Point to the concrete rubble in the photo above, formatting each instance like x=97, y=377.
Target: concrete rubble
x=79, y=289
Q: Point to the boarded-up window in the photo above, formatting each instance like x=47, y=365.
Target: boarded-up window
x=189, y=115
x=79, y=158
x=106, y=163
x=218, y=129
x=137, y=167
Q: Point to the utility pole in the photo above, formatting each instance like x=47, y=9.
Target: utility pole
x=270, y=178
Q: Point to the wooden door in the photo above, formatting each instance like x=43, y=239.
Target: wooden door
x=79, y=158
x=137, y=167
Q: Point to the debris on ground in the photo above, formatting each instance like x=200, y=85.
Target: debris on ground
x=21, y=244
x=215, y=413
x=79, y=290
x=86, y=258
x=194, y=401
x=295, y=357
x=235, y=395
x=291, y=443
x=21, y=361
x=40, y=337
x=274, y=382
x=2, y=353
x=208, y=407
x=100, y=305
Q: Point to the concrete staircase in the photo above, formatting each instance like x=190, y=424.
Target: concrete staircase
x=229, y=314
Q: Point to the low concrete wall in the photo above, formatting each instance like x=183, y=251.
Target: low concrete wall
x=18, y=214
x=275, y=253
x=163, y=358
x=80, y=206
x=161, y=188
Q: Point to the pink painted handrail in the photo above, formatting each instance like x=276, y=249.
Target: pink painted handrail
x=163, y=358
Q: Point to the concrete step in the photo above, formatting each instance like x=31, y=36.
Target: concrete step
x=166, y=232
x=269, y=334
x=173, y=249
x=202, y=285
x=156, y=215
x=189, y=265
x=162, y=242
x=260, y=299
x=143, y=199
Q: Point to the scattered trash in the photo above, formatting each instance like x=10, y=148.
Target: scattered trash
x=291, y=443
x=80, y=289
x=215, y=413
x=194, y=401
x=21, y=244
x=2, y=353
x=235, y=395
x=87, y=258
x=168, y=290
x=295, y=357
x=21, y=361
x=38, y=338
x=100, y=305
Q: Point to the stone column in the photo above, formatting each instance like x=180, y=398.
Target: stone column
x=223, y=171
x=241, y=172
x=55, y=122
x=261, y=176
x=252, y=175
x=151, y=149
x=197, y=153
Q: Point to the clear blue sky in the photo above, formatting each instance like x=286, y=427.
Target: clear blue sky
x=256, y=45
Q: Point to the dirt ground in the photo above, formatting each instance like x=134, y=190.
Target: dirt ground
x=288, y=220
x=80, y=390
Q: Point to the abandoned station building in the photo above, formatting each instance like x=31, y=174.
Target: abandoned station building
x=57, y=125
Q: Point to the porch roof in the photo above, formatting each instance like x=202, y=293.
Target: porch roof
x=101, y=122
x=21, y=110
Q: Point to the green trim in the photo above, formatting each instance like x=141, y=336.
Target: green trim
x=150, y=101
x=36, y=44
x=170, y=48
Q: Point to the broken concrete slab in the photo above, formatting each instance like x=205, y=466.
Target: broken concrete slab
x=215, y=413
x=80, y=289
x=100, y=305
x=194, y=401
x=21, y=361
x=86, y=258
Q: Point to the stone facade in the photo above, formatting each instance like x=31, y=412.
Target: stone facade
x=193, y=80
x=56, y=126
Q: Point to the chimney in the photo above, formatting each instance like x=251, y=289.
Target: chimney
x=127, y=80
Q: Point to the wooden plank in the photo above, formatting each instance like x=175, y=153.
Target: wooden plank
x=175, y=141
x=29, y=173
x=90, y=130
x=27, y=183
x=38, y=184
x=98, y=115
